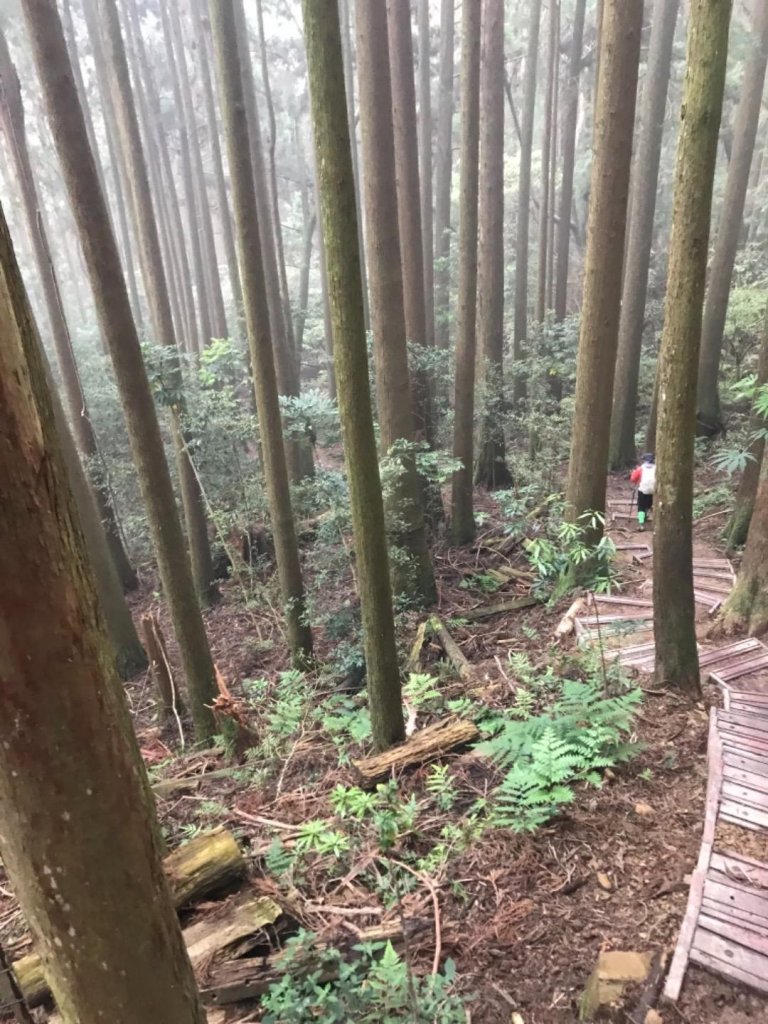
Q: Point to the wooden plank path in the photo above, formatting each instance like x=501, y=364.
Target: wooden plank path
x=725, y=928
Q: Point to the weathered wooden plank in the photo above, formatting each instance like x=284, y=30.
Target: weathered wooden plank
x=731, y=959
x=749, y=745
x=714, y=586
x=729, y=913
x=745, y=796
x=724, y=653
x=751, y=817
x=743, y=668
x=737, y=867
x=751, y=780
x=755, y=723
x=743, y=761
x=735, y=932
x=630, y=602
x=738, y=897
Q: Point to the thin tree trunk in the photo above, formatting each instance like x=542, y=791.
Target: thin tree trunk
x=462, y=518
x=738, y=526
x=614, y=123
x=425, y=168
x=310, y=226
x=248, y=232
x=546, y=160
x=570, y=122
x=444, y=175
x=327, y=318
x=349, y=81
x=338, y=207
x=72, y=783
x=645, y=177
x=524, y=195
x=747, y=607
x=119, y=330
x=12, y=116
x=677, y=660
x=551, y=226
x=731, y=219
x=409, y=206
x=412, y=576
x=156, y=288
x=492, y=471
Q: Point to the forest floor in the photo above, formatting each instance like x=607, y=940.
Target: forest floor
x=524, y=916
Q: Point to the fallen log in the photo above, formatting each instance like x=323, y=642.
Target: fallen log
x=488, y=610
x=238, y=924
x=412, y=665
x=452, y=650
x=424, y=745
x=195, y=870
x=567, y=624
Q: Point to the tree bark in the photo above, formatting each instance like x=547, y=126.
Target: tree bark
x=412, y=575
x=747, y=607
x=425, y=168
x=105, y=927
x=156, y=288
x=492, y=471
x=721, y=272
x=570, y=122
x=546, y=161
x=677, y=660
x=338, y=208
x=462, y=517
x=248, y=230
x=738, y=526
x=645, y=178
x=614, y=123
x=119, y=330
x=12, y=116
x=524, y=194
x=409, y=206
x=443, y=178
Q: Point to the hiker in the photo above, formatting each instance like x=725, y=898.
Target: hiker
x=644, y=477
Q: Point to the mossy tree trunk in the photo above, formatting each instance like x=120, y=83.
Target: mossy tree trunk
x=413, y=574
x=492, y=471
x=72, y=784
x=12, y=116
x=462, y=516
x=738, y=525
x=524, y=193
x=747, y=607
x=444, y=178
x=248, y=232
x=677, y=661
x=120, y=334
x=338, y=209
x=409, y=209
x=570, y=122
x=645, y=177
x=156, y=289
x=612, y=145
x=709, y=417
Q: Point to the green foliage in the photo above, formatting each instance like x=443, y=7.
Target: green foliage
x=377, y=986
x=440, y=786
x=553, y=558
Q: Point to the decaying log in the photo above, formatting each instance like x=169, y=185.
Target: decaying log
x=168, y=787
x=238, y=980
x=452, y=650
x=567, y=624
x=412, y=665
x=200, y=867
x=424, y=745
x=498, y=609
x=238, y=923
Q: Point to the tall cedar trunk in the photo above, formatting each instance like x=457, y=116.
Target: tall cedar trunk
x=738, y=526
x=105, y=926
x=274, y=195
x=210, y=261
x=546, y=161
x=645, y=177
x=492, y=471
x=409, y=205
x=349, y=81
x=677, y=660
x=524, y=195
x=188, y=183
x=12, y=116
x=614, y=123
x=729, y=230
x=298, y=452
x=338, y=208
x=462, y=518
x=553, y=164
x=747, y=607
x=248, y=233
x=443, y=179
x=393, y=387
x=425, y=167
x=170, y=192
x=570, y=122
x=155, y=286
x=309, y=221
x=327, y=318
x=119, y=330
x=199, y=10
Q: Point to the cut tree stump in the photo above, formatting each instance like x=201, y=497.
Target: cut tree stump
x=424, y=745
x=195, y=870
